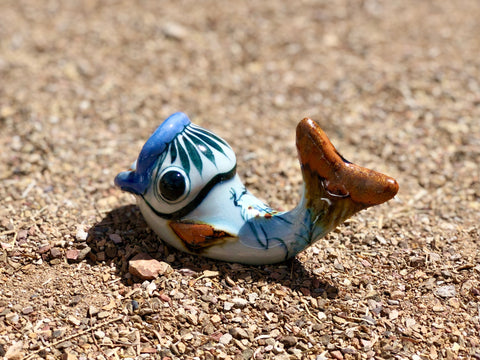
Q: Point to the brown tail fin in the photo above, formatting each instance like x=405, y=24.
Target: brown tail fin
x=323, y=166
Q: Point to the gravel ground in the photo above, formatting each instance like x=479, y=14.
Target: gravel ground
x=396, y=86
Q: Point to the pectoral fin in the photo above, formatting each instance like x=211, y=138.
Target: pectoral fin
x=198, y=236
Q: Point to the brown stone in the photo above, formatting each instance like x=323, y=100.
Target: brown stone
x=44, y=249
x=55, y=253
x=147, y=268
x=336, y=354
x=72, y=254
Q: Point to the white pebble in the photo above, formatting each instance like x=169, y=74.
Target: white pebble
x=225, y=339
x=99, y=334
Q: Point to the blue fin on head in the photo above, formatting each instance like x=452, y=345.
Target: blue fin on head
x=137, y=180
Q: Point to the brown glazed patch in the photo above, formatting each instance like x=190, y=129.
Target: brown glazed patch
x=198, y=236
x=340, y=178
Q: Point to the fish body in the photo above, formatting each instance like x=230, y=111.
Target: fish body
x=189, y=193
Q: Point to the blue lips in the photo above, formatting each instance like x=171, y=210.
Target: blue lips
x=137, y=180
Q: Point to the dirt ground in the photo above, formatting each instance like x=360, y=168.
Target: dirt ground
x=395, y=84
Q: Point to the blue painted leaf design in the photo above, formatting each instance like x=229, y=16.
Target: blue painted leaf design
x=173, y=152
x=215, y=137
x=193, y=152
x=183, y=157
x=203, y=148
x=207, y=139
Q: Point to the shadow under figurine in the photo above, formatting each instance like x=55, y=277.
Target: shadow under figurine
x=187, y=189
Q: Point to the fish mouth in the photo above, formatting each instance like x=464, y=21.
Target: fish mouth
x=324, y=167
x=128, y=181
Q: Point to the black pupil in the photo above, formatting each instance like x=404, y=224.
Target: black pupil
x=172, y=185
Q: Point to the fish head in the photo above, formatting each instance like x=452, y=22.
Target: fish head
x=177, y=167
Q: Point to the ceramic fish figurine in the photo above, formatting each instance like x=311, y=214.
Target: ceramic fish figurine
x=187, y=188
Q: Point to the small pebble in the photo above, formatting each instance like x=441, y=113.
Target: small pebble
x=75, y=300
x=446, y=291
x=103, y=314
x=72, y=254
x=393, y=315
x=174, y=31
x=239, y=333
x=147, y=268
x=165, y=297
x=12, y=318
x=27, y=310
x=369, y=320
x=82, y=254
x=99, y=334
x=210, y=273
x=116, y=239
x=64, y=345
x=278, y=348
x=44, y=249
x=151, y=288
x=252, y=297
x=55, y=253
x=274, y=334
x=73, y=320
x=57, y=333
x=339, y=320
x=289, y=340
x=397, y=295
x=321, y=315
x=240, y=303
x=181, y=347
x=225, y=339
x=336, y=354
x=100, y=256
x=227, y=305
x=247, y=354
x=81, y=234
x=209, y=298
x=93, y=310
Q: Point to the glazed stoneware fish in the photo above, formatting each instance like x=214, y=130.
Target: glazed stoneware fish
x=187, y=188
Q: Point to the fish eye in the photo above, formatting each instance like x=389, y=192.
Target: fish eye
x=173, y=185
